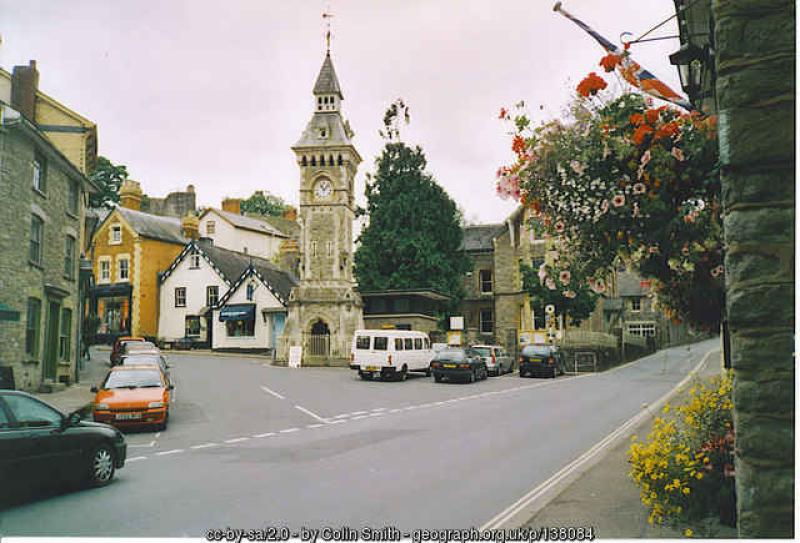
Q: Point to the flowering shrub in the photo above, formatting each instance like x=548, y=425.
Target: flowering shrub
x=625, y=180
x=684, y=469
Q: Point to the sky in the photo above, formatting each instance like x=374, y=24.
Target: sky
x=215, y=93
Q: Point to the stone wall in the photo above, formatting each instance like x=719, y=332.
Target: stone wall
x=756, y=95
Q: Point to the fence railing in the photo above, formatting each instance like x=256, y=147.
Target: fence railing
x=580, y=338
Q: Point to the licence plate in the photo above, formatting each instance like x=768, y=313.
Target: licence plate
x=372, y=368
x=128, y=416
x=449, y=365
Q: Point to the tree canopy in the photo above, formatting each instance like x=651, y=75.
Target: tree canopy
x=413, y=237
x=264, y=203
x=109, y=178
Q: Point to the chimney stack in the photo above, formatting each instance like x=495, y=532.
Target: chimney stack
x=24, y=83
x=290, y=213
x=232, y=205
x=130, y=195
x=190, y=225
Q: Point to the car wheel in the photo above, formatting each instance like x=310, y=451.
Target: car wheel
x=521, y=374
x=471, y=378
x=485, y=374
x=163, y=425
x=437, y=377
x=555, y=372
x=428, y=372
x=101, y=466
x=403, y=375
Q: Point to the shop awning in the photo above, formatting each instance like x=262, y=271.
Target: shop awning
x=237, y=312
x=8, y=314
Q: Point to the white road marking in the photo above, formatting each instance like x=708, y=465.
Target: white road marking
x=289, y=430
x=342, y=416
x=158, y=434
x=311, y=414
x=525, y=501
x=203, y=446
x=136, y=458
x=315, y=426
x=237, y=440
x=358, y=413
x=138, y=445
x=173, y=451
x=338, y=421
x=395, y=410
x=379, y=409
x=265, y=435
x=268, y=391
x=377, y=414
x=359, y=417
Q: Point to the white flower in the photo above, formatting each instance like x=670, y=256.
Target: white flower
x=569, y=294
x=619, y=200
x=639, y=188
x=550, y=283
x=564, y=277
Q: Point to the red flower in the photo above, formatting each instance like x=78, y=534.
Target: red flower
x=503, y=113
x=591, y=84
x=652, y=115
x=667, y=130
x=610, y=61
x=518, y=145
x=641, y=133
x=636, y=119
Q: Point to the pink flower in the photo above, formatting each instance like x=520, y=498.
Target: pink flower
x=542, y=273
x=597, y=285
x=653, y=249
x=639, y=188
x=716, y=272
x=564, y=277
x=645, y=158
x=560, y=226
x=549, y=283
x=569, y=294
x=678, y=154
x=690, y=217
x=685, y=250
x=619, y=200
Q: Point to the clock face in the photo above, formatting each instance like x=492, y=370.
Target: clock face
x=323, y=189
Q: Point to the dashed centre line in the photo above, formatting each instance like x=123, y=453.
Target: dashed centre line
x=237, y=440
x=267, y=434
x=269, y=391
x=173, y=451
x=203, y=446
x=289, y=430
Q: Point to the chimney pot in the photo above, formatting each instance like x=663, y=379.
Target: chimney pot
x=24, y=83
x=232, y=205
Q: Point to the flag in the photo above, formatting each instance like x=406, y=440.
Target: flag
x=629, y=68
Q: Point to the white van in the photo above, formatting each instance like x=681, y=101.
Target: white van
x=390, y=353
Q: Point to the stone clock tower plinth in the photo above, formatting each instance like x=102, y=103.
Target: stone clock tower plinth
x=325, y=308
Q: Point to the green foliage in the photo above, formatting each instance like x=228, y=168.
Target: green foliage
x=109, y=178
x=578, y=302
x=414, y=233
x=264, y=203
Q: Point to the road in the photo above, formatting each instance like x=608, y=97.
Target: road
x=251, y=445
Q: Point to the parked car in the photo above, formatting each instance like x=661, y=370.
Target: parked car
x=148, y=359
x=119, y=343
x=390, y=354
x=497, y=360
x=459, y=363
x=133, y=396
x=136, y=347
x=544, y=360
x=40, y=446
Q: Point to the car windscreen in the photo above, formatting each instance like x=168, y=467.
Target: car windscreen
x=537, y=350
x=483, y=351
x=450, y=354
x=139, y=346
x=133, y=379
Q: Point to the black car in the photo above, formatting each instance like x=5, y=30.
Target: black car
x=40, y=447
x=541, y=360
x=458, y=363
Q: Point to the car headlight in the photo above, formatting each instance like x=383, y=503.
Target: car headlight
x=101, y=407
x=152, y=405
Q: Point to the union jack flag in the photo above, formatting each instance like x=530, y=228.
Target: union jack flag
x=629, y=68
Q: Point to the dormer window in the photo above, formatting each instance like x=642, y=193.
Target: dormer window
x=323, y=133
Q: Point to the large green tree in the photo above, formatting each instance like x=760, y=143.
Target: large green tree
x=413, y=236
x=264, y=203
x=109, y=178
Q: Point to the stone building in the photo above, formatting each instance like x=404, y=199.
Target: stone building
x=250, y=234
x=325, y=308
x=175, y=204
x=129, y=248
x=42, y=195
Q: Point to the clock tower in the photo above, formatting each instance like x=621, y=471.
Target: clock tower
x=325, y=308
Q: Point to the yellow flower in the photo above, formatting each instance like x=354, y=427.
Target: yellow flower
x=686, y=490
x=666, y=409
x=699, y=476
x=688, y=532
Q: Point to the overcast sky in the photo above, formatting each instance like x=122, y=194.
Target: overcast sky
x=215, y=93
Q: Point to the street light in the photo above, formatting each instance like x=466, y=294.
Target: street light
x=690, y=62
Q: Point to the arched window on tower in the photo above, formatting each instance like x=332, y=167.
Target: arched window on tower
x=330, y=160
x=304, y=162
x=313, y=161
x=339, y=160
x=322, y=160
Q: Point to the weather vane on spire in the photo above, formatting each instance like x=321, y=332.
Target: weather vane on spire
x=327, y=15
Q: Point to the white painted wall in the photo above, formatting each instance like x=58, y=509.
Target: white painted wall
x=262, y=339
x=172, y=320
x=238, y=239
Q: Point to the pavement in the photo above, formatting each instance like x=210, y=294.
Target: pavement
x=334, y=454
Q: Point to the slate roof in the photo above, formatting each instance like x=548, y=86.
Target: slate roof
x=154, y=226
x=628, y=284
x=280, y=280
x=479, y=237
x=327, y=82
x=336, y=135
x=290, y=228
x=250, y=223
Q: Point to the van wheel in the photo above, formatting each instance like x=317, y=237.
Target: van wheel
x=471, y=378
x=428, y=372
x=366, y=376
x=403, y=375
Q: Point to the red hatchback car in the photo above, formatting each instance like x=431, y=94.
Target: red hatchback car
x=116, y=350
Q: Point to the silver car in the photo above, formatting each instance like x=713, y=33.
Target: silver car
x=497, y=360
